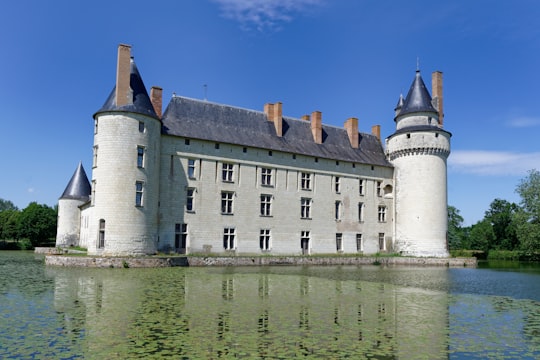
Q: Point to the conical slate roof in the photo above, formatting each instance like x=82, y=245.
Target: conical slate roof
x=418, y=98
x=79, y=187
x=141, y=103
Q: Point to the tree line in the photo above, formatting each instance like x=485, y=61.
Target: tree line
x=508, y=230
x=33, y=226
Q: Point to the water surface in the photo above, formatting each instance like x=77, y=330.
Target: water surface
x=267, y=312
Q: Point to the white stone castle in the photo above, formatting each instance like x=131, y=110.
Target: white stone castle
x=208, y=178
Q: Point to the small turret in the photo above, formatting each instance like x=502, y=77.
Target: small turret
x=77, y=193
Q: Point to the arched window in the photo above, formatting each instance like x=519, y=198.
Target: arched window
x=101, y=238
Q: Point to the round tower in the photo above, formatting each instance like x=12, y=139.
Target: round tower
x=418, y=149
x=77, y=193
x=125, y=177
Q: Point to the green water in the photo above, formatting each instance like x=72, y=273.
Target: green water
x=336, y=312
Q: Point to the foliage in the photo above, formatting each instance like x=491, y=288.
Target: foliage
x=481, y=236
x=37, y=223
x=503, y=255
x=501, y=216
x=462, y=253
x=529, y=191
x=8, y=224
x=6, y=205
x=455, y=232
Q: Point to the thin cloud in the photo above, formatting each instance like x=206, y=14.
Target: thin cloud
x=265, y=14
x=524, y=122
x=480, y=162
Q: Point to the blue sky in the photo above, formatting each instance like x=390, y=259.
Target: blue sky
x=346, y=58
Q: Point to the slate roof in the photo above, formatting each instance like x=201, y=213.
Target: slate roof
x=141, y=101
x=204, y=120
x=78, y=187
x=418, y=98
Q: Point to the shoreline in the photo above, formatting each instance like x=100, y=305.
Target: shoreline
x=225, y=261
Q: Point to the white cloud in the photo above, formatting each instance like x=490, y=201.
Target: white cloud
x=524, y=121
x=30, y=190
x=264, y=14
x=488, y=163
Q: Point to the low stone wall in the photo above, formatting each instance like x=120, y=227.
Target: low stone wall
x=155, y=261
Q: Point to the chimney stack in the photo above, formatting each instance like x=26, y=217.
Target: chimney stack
x=351, y=125
x=316, y=126
x=376, y=131
x=156, y=97
x=123, y=74
x=437, y=91
x=305, y=117
x=274, y=113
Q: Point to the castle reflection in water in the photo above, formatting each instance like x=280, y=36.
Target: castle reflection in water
x=247, y=313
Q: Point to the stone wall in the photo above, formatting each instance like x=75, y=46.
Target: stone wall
x=153, y=262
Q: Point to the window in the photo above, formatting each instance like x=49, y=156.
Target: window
x=94, y=163
x=190, y=199
x=227, y=202
x=264, y=239
x=187, y=142
x=227, y=172
x=305, y=208
x=140, y=156
x=139, y=193
x=338, y=210
x=361, y=186
x=379, y=188
x=359, y=243
x=101, y=237
x=191, y=169
x=228, y=238
x=180, y=237
x=337, y=184
x=141, y=126
x=93, y=196
x=339, y=242
x=382, y=245
x=361, y=212
x=382, y=214
x=304, y=242
x=96, y=126
x=305, y=181
x=266, y=177
x=266, y=205
x=216, y=146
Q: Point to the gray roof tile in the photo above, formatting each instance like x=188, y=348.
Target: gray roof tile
x=418, y=98
x=226, y=124
x=78, y=187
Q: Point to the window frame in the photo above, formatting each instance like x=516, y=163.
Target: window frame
x=267, y=177
x=227, y=172
x=381, y=213
x=229, y=238
x=192, y=169
x=306, y=181
x=140, y=156
x=139, y=193
x=227, y=202
x=265, y=240
x=190, y=199
x=266, y=205
x=305, y=207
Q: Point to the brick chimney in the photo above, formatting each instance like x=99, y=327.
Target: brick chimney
x=351, y=125
x=376, y=131
x=123, y=74
x=316, y=126
x=156, y=97
x=274, y=113
x=305, y=117
x=437, y=92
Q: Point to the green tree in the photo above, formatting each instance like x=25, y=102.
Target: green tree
x=8, y=224
x=455, y=233
x=501, y=217
x=37, y=223
x=481, y=236
x=528, y=220
x=7, y=205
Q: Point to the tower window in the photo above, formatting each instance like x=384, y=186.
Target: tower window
x=101, y=236
x=139, y=193
x=140, y=156
x=339, y=242
x=141, y=126
x=305, y=208
x=190, y=200
x=191, y=169
x=338, y=207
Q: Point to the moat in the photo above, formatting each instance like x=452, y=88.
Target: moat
x=269, y=312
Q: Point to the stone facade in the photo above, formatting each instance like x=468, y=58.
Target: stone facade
x=210, y=178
